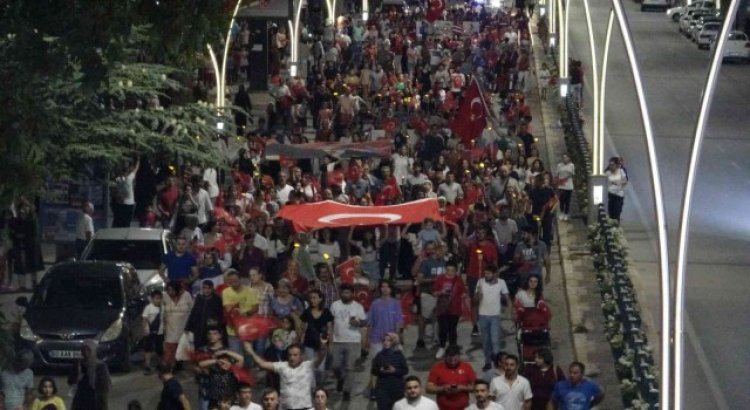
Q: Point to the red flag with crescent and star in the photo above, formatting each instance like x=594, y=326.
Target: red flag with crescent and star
x=472, y=115
x=346, y=271
x=435, y=10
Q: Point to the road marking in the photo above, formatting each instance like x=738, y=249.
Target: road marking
x=736, y=166
x=723, y=151
x=713, y=385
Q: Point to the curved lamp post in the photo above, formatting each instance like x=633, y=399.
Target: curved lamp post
x=221, y=74
x=700, y=129
x=618, y=12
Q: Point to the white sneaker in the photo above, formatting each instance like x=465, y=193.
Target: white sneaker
x=566, y=217
x=440, y=353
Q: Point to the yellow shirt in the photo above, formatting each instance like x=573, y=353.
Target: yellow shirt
x=57, y=401
x=246, y=299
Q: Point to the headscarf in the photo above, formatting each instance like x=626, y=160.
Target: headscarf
x=395, y=340
x=91, y=361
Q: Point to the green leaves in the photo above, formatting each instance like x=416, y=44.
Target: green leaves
x=80, y=85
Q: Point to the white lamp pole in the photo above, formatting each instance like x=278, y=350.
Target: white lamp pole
x=682, y=246
x=661, y=222
x=221, y=76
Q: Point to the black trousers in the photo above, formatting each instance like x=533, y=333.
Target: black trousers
x=565, y=195
x=614, y=207
x=122, y=215
x=447, y=333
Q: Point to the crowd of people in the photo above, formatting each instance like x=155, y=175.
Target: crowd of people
x=399, y=76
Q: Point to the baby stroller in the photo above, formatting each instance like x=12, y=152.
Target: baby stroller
x=532, y=331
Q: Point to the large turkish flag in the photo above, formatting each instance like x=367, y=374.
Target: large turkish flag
x=472, y=116
x=330, y=214
x=435, y=10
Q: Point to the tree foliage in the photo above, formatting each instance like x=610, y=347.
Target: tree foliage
x=80, y=78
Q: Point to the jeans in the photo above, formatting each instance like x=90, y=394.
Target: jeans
x=235, y=345
x=615, y=206
x=320, y=371
x=565, y=195
x=491, y=332
x=344, y=357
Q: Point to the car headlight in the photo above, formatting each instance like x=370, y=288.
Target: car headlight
x=26, y=333
x=154, y=282
x=113, y=332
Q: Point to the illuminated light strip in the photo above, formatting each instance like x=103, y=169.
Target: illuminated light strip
x=552, y=22
x=562, y=34
x=598, y=165
x=597, y=138
x=695, y=153
x=227, y=41
x=566, y=30
x=664, y=390
x=217, y=74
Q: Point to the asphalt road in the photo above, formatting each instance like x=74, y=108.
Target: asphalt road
x=674, y=71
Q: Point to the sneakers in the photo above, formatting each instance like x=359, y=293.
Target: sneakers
x=440, y=353
x=475, y=331
x=148, y=371
x=420, y=344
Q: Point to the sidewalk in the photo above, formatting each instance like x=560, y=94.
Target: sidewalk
x=573, y=291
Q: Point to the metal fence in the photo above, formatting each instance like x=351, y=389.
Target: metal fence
x=634, y=360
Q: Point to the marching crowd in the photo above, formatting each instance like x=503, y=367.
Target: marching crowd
x=247, y=297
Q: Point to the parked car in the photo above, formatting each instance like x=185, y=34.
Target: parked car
x=737, y=48
x=707, y=28
x=81, y=300
x=674, y=13
x=144, y=248
x=654, y=5
x=689, y=19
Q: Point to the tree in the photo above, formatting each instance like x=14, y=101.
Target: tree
x=81, y=80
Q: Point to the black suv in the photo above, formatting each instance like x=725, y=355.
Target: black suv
x=84, y=300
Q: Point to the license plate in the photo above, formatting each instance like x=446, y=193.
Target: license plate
x=65, y=354
x=734, y=54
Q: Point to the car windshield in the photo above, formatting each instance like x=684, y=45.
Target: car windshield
x=738, y=37
x=712, y=27
x=78, y=292
x=141, y=254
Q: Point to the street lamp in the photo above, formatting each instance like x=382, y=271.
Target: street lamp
x=221, y=73
x=294, y=33
x=682, y=246
x=661, y=224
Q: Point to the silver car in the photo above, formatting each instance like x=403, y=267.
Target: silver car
x=144, y=248
x=705, y=35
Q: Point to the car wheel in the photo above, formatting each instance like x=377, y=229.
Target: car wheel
x=675, y=17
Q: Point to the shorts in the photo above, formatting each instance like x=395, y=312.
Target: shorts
x=153, y=344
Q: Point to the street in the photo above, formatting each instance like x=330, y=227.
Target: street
x=674, y=72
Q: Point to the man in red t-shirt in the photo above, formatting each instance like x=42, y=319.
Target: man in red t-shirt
x=451, y=380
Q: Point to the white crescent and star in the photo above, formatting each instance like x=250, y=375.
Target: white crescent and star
x=476, y=100
x=383, y=217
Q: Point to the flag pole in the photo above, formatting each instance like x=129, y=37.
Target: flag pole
x=490, y=113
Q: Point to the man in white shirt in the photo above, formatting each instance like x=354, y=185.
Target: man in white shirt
x=245, y=399
x=125, y=203
x=450, y=189
x=511, y=390
x=413, y=399
x=296, y=376
x=491, y=294
x=84, y=228
x=348, y=318
x=284, y=189
x=211, y=178
x=482, y=394
x=205, y=206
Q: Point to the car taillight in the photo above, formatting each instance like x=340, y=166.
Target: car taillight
x=747, y=44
